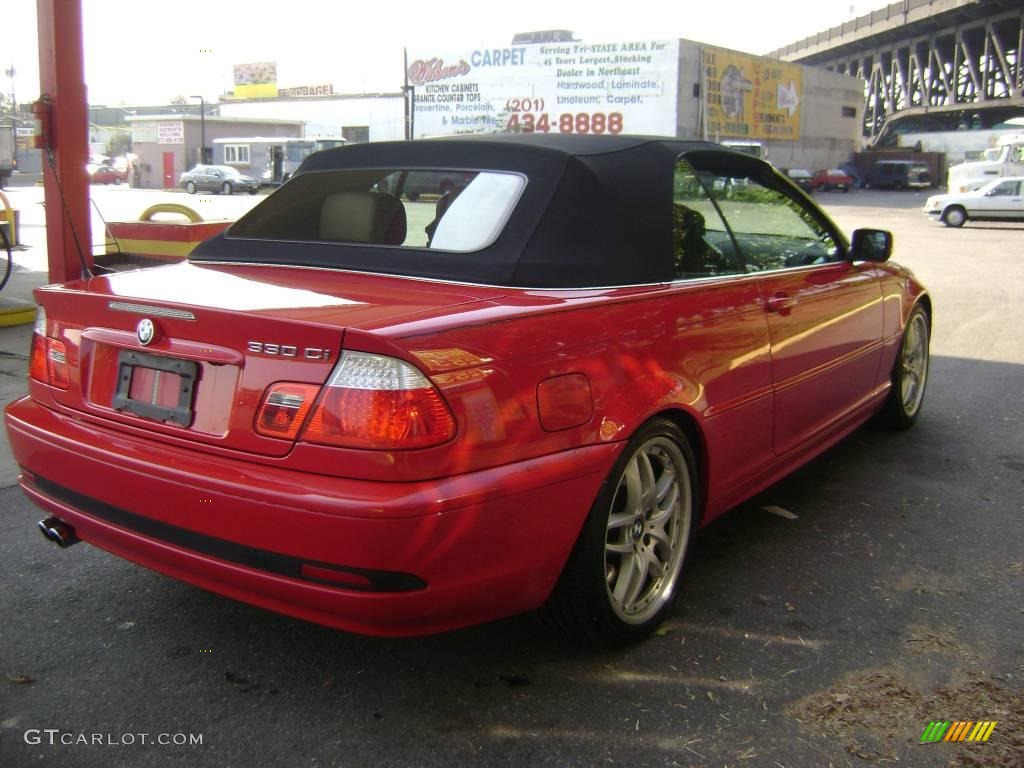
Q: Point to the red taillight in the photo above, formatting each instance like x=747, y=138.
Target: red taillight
x=48, y=358
x=57, y=363
x=362, y=418
x=378, y=402
x=284, y=409
x=37, y=367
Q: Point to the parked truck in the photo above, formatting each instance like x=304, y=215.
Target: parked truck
x=6, y=154
x=1006, y=158
x=271, y=160
x=752, y=148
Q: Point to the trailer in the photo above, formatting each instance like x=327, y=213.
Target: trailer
x=6, y=154
x=1006, y=158
x=271, y=160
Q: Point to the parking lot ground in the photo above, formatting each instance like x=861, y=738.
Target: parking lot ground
x=882, y=592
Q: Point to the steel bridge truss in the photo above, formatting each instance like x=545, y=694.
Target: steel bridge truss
x=975, y=61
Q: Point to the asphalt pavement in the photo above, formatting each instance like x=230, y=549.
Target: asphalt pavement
x=879, y=591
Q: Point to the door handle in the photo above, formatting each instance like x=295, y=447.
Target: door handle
x=781, y=302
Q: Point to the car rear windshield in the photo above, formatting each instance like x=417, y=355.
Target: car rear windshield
x=441, y=209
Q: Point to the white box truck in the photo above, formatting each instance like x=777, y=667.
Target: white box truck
x=6, y=154
x=1006, y=158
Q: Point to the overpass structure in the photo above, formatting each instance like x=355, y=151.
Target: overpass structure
x=924, y=53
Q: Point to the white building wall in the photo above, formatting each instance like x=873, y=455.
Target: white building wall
x=384, y=114
x=831, y=110
x=828, y=134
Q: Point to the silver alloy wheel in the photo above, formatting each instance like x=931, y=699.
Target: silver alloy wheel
x=914, y=364
x=648, y=530
x=190, y=187
x=954, y=217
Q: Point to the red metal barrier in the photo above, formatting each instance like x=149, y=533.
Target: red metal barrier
x=162, y=240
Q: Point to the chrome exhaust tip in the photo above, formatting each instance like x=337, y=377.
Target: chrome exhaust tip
x=57, y=531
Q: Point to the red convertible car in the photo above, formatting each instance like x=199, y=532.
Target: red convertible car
x=398, y=417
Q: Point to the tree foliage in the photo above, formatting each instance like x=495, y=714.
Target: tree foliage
x=120, y=143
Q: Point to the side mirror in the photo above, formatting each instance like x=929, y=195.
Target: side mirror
x=871, y=245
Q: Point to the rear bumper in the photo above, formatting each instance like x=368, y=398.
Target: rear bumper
x=422, y=557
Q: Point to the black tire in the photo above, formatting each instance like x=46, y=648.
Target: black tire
x=599, y=597
x=253, y=191
x=226, y=188
x=909, y=373
x=190, y=187
x=954, y=216
x=117, y=181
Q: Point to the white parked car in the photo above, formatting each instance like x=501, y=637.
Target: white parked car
x=999, y=200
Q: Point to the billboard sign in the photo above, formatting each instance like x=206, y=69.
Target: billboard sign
x=750, y=97
x=559, y=87
x=255, y=81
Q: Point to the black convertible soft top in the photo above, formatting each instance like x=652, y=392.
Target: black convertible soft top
x=596, y=211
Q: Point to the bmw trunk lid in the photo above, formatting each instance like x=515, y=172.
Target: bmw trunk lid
x=185, y=353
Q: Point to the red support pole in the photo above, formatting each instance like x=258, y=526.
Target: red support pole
x=62, y=79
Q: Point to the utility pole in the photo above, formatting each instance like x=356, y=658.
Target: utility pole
x=409, y=94
x=11, y=72
x=202, y=128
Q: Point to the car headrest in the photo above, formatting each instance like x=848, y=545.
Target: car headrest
x=363, y=217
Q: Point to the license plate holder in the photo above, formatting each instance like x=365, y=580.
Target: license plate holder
x=128, y=361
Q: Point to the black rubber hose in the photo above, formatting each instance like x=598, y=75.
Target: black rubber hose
x=10, y=259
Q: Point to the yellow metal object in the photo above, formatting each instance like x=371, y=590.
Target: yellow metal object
x=13, y=312
x=184, y=210
x=155, y=247
x=12, y=233
x=162, y=239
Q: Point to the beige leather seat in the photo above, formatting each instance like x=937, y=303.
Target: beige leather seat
x=363, y=217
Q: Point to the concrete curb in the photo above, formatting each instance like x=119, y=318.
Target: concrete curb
x=22, y=314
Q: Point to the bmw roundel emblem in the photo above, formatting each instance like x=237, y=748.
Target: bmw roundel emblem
x=146, y=331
